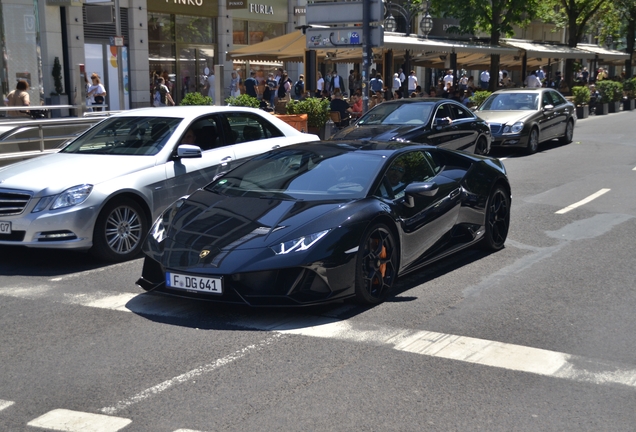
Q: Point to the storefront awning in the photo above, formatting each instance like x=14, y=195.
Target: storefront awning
x=286, y=48
x=604, y=54
x=546, y=50
x=396, y=41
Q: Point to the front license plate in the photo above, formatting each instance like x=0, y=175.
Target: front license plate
x=213, y=285
x=5, y=227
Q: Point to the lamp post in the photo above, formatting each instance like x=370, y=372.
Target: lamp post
x=408, y=12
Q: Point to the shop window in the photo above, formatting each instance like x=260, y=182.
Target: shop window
x=262, y=31
x=239, y=32
x=160, y=27
x=194, y=29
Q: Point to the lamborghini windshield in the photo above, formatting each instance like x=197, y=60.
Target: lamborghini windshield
x=302, y=175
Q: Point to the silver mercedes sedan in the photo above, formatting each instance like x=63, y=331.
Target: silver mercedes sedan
x=102, y=190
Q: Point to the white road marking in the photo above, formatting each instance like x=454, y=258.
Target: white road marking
x=75, y=421
x=583, y=201
x=187, y=430
x=93, y=271
x=5, y=404
x=210, y=367
x=466, y=349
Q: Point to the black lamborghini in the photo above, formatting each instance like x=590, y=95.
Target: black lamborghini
x=323, y=221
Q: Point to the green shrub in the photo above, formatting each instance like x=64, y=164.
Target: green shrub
x=196, y=99
x=243, y=100
x=581, y=95
x=57, y=76
x=317, y=110
x=629, y=86
x=611, y=91
x=479, y=97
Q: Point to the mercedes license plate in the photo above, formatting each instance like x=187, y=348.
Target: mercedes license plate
x=5, y=227
x=213, y=285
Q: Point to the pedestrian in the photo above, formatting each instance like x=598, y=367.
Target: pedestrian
x=19, y=98
x=336, y=83
x=251, y=84
x=299, y=87
x=210, y=85
x=97, y=91
x=376, y=83
x=396, y=82
x=320, y=85
x=449, y=78
x=401, y=75
x=161, y=94
x=235, y=81
x=352, y=81
x=484, y=79
x=532, y=80
x=269, y=94
x=412, y=84
x=284, y=87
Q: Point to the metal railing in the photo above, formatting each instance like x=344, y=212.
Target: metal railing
x=24, y=139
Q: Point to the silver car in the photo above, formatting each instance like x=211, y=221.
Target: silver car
x=102, y=191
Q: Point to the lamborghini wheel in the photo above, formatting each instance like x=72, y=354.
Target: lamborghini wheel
x=376, y=267
x=497, y=219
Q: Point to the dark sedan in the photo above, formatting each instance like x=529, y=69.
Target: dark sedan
x=526, y=117
x=439, y=122
x=315, y=223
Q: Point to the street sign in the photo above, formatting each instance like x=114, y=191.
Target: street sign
x=345, y=37
x=344, y=12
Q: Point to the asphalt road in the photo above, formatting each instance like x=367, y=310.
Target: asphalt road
x=539, y=336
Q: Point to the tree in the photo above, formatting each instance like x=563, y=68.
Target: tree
x=574, y=15
x=496, y=17
x=627, y=14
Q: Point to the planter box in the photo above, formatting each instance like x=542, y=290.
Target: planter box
x=601, y=108
x=583, y=111
x=298, y=121
x=629, y=104
x=614, y=107
x=58, y=100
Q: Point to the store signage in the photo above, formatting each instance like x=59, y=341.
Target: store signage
x=300, y=10
x=208, y=8
x=236, y=4
x=261, y=9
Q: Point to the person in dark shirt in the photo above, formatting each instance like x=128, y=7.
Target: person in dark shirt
x=250, y=85
x=340, y=105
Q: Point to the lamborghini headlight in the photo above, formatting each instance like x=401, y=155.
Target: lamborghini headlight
x=159, y=230
x=300, y=244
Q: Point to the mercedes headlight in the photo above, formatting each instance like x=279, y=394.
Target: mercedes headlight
x=70, y=197
x=514, y=129
x=300, y=244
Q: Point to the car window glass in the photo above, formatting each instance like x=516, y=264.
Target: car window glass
x=547, y=99
x=459, y=112
x=412, y=167
x=203, y=132
x=244, y=127
x=443, y=111
x=140, y=136
x=397, y=114
x=557, y=99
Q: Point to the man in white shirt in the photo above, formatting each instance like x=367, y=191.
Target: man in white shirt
x=449, y=78
x=412, y=82
x=396, y=83
x=484, y=78
x=401, y=75
x=532, y=81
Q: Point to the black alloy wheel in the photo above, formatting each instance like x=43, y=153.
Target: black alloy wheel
x=119, y=231
x=376, y=267
x=497, y=219
x=481, y=148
